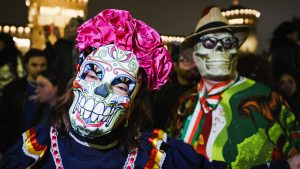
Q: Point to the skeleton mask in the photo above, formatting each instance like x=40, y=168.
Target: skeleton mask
x=214, y=56
x=104, y=88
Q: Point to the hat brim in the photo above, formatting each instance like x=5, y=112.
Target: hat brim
x=240, y=32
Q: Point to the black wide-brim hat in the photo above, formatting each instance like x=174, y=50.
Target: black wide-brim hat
x=212, y=22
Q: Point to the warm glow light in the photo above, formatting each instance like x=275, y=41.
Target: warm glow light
x=227, y=13
x=232, y=12
x=22, y=42
x=250, y=45
x=6, y=29
x=236, y=21
x=246, y=11
x=242, y=11
x=13, y=29
x=20, y=30
x=236, y=12
x=257, y=14
x=35, y=4
x=0, y=28
x=27, y=30
x=27, y=2
x=57, y=16
x=168, y=39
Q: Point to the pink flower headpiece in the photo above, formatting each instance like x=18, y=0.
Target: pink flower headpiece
x=121, y=29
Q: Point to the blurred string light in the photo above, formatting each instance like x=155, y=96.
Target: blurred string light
x=22, y=42
x=20, y=35
x=27, y=3
x=239, y=15
x=20, y=30
x=168, y=39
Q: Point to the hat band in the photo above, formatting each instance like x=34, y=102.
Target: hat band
x=211, y=25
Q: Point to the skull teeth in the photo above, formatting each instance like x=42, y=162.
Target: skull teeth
x=81, y=111
x=92, y=112
x=89, y=105
x=94, y=117
x=98, y=107
x=86, y=114
x=107, y=111
x=82, y=102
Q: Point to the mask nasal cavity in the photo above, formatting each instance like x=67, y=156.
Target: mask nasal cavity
x=101, y=90
x=219, y=48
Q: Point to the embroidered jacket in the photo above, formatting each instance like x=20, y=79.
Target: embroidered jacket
x=250, y=126
x=44, y=148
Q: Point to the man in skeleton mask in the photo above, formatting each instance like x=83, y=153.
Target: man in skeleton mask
x=99, y=121
x=228, y=117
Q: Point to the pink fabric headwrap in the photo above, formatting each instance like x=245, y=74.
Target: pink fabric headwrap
x=118, y=27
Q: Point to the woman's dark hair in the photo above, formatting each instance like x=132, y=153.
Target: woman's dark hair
x=56, y=80
x=139, y=118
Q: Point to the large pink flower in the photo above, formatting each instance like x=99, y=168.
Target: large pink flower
x=157, y=67
x=123, y=26
x=118, y=27
x=94, y=32
x=146, y=39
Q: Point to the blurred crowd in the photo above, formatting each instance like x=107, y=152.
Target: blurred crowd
x=31, y=83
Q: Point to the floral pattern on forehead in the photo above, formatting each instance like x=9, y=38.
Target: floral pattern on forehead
x=118, y=27
x=115, y=59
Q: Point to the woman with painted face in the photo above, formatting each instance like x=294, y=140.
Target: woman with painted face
x=99, y=121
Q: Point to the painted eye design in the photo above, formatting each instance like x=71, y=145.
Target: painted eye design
x=92, y=73
x=123, y=85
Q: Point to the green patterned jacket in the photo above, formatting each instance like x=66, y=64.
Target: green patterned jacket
x=252, y=125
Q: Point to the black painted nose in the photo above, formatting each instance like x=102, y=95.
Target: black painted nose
x=101, y=90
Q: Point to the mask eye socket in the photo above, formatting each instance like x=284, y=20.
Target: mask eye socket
x=229, y=43
x=123, y=85
x=92, y=73
x=209, y=42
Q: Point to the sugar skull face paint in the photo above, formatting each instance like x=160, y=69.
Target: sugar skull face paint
x=214, y=56
x=104, y=89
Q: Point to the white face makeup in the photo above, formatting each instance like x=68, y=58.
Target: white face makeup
x=214, y=56
x=104, y=88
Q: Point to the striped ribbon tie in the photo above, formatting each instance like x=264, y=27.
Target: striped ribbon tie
x=210, y=99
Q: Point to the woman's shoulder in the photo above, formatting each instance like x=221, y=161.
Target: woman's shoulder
x=28, y=150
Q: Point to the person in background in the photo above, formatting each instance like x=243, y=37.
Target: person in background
x=229, y=117
x=289, y=87
x=64, y=50
x=284, y=50
x=183, y=77
x=11, y=66
x=50, y=86
x=100, y=120
x=20, y=100
x=257, y=68
x=51, y=35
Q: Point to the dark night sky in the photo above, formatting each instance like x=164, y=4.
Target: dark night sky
x=179, y=17
x=174, y=17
